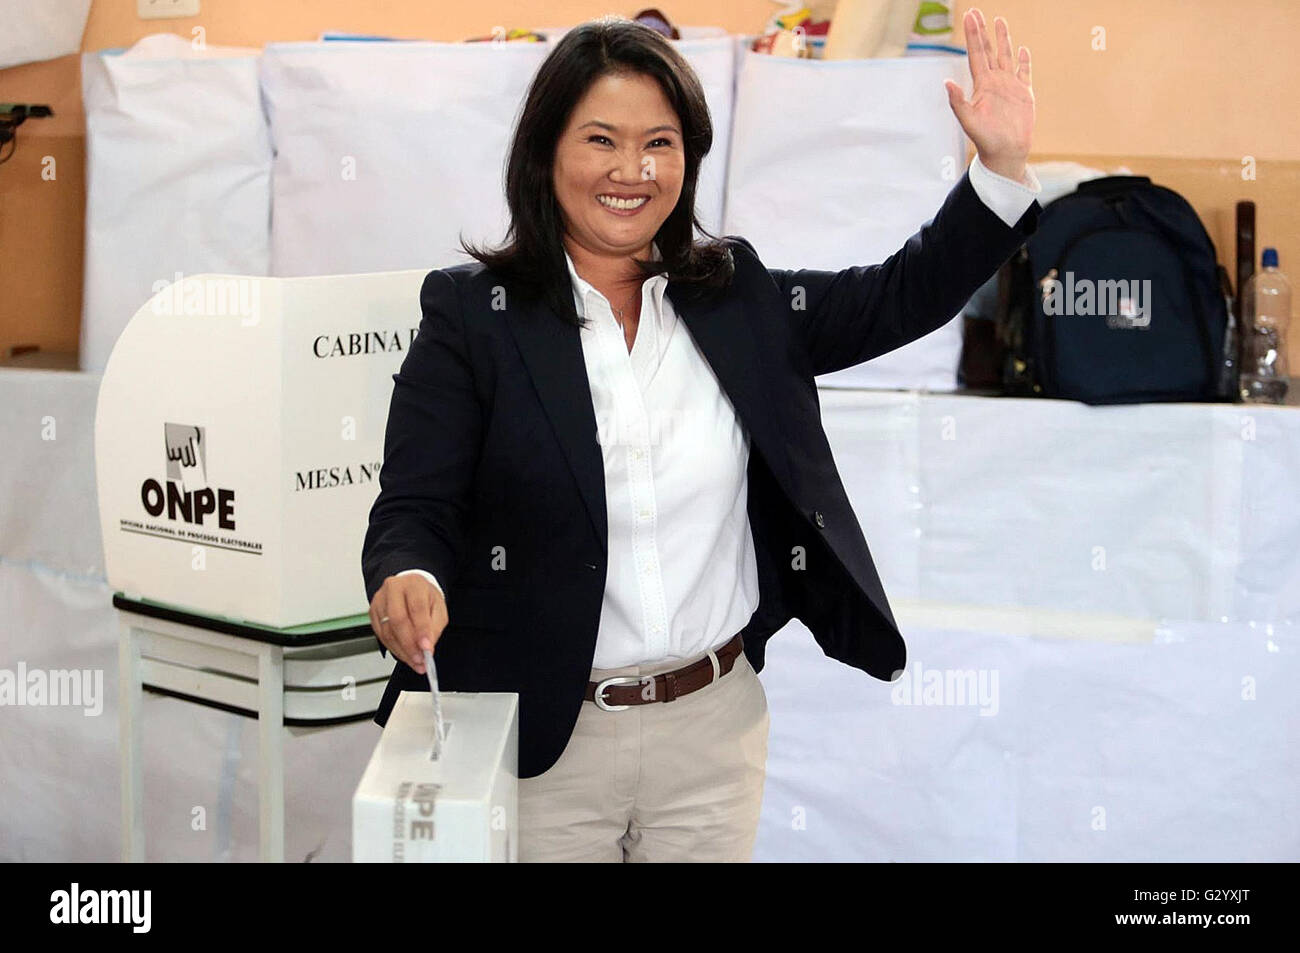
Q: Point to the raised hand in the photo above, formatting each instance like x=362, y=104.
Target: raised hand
x=999, y=116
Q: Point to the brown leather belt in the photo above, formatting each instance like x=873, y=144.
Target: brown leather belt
x=621, y=691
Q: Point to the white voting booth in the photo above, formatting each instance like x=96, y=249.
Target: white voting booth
x=239, y=437
x=238, y=442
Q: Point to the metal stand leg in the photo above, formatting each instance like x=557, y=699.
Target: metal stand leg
x=130, y=696
x=270, y=731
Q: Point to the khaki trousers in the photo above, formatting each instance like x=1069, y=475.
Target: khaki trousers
x=665, y=781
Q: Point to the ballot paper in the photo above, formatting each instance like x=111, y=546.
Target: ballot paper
x=439, y=726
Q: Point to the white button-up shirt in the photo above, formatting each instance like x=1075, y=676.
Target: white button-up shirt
x=682, y=575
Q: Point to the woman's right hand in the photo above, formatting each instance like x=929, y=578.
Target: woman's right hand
x=408, y=614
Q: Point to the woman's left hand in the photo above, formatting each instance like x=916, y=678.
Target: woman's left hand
x=999, y=116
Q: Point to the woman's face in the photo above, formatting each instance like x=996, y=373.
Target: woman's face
x=623, y=139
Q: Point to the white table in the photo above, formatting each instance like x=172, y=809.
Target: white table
x=304, y=678
x=982, y=515
x=1008, y=506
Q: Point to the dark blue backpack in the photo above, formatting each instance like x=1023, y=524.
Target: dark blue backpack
x=1116, y=298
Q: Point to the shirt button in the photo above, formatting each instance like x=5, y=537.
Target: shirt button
x=817, y=517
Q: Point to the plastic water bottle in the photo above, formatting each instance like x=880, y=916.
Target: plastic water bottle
x=1265, y=318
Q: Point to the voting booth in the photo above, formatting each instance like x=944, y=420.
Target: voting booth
x=238, y=441
x=411, y=807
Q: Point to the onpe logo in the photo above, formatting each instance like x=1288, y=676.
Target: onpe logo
x=187, y=496
x=187, y=462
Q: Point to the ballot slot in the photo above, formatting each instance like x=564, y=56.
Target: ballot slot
x=436, y=749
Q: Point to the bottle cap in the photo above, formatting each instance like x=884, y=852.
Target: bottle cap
x=1270, y=257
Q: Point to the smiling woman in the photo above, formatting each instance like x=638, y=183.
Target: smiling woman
x=617, y=178
x=623, y=576
x=605, y=161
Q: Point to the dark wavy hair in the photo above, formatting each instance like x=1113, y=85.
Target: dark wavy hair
x=532, y=257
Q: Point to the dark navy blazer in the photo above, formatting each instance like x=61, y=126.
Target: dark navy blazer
x=493, y=478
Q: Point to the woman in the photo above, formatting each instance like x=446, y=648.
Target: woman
x=605, y=480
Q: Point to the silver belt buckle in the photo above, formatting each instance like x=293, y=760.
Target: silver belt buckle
x=599, y=694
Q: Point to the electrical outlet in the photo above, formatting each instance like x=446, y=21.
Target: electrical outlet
x=166, y=9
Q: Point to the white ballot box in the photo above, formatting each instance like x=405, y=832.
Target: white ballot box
x=409, y=808
x=239, y=435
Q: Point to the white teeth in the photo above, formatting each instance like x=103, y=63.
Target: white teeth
x=623, y=204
